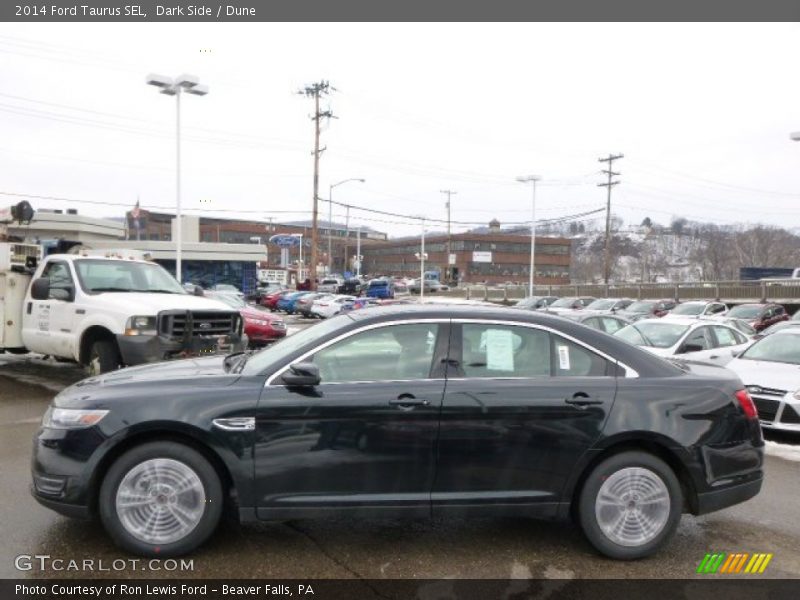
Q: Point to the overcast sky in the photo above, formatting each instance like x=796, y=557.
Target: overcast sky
x=702, y=113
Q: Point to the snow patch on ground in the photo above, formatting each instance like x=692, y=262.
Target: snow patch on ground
x=784, y=451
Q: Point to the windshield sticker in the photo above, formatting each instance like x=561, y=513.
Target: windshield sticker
x=563, y=358
x=499, y=350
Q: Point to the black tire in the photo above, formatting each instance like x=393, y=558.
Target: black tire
x=189, y=457
x=103, y=357
x=588, y=496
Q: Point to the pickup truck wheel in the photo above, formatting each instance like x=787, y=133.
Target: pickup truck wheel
x=630, y=505
x=160, y=499
x=103, y=357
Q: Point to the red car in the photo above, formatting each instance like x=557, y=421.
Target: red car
x=270, y=301
x=260, y=326
x=760, y=316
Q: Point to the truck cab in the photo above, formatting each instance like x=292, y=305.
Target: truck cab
x=112, y=310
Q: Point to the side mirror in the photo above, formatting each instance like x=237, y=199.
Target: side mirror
x=305, y=374
x=40, y=289
x=198, y=291
x=691, y=348
x=66, y=294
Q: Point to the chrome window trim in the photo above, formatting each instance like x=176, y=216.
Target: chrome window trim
x=630, y=373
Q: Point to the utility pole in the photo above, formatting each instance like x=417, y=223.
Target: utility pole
x=345, y=267
x=315, y=90
x=609, y=184
x=358, y=252
x=447, y=260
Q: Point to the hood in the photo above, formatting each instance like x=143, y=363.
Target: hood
x=779, y=376
x=142, y=303
x=170, y=370
x=254, y=313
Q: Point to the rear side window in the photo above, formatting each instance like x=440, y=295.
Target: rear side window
x=510, y=351
x=612, y=325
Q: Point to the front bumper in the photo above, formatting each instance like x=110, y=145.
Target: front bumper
x=141, y=349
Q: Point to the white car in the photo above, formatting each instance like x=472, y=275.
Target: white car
x=330, y=306
x=770, y=369
x=686, y=337
x=698, y=308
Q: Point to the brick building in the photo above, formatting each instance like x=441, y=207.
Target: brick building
x=492, y=257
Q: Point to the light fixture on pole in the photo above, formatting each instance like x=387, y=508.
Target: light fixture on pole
x=421, y=256
x=330, y=221
x=532, y=179
x=189, y=84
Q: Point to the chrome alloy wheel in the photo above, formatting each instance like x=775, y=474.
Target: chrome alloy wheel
x=160, y=501
x=632, y=506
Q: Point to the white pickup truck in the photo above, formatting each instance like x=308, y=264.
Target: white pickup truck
x=106, y=311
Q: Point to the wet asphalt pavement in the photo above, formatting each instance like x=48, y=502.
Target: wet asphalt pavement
x=344, y=548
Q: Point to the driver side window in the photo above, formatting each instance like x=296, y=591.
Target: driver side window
x=391, y=353
x=60, y=280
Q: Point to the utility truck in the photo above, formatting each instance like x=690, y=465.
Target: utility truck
x=105, y=310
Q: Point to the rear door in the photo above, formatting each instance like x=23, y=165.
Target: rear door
x=523, y=407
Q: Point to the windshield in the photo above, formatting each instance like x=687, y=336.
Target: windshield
x=230, y=300
x=563, y=303
x=641, y=307
x=653, y=335
x=601, y=305
x=290, y=344
x=745, y=312
x=781, y=347
x=689, y=308
x=113, y=275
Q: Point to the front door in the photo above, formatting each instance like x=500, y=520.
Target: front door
x=364, y=438
x=47, y=324
x=524, y=407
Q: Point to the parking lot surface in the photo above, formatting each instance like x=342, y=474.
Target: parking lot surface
x=344, y=548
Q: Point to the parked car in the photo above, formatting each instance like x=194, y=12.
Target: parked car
x=325, y=308
x=571, y=422
x=699, y=308
x=775, y=327
x=743, y=326
x=226, y=288
x=260, y=325
x=330, y=285
x=535, y=302
x=569, y=304
x=270, y=301
x=688, y=338
x=608, y=305
x=380, y=288
x=642, y=309
x=287, y=303
x=770, y=369
x=431, y=286
x=265, y=289
x=608, y=323
x=304, y=303
x=760, y=316
x=351, y=287
x=358, y=304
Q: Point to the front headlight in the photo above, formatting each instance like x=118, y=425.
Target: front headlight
x=140, y=325
x=71, y=418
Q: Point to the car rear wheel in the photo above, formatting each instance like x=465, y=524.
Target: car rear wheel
x=160, y=499
x=630, y=505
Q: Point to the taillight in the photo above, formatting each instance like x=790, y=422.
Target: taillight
x=746, y=402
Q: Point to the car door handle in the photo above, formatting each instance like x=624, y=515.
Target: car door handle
x=581, y=400
x=408, y=401
x=713, y=356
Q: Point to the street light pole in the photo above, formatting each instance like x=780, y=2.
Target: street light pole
x=532, y=179
x=358, y=252
x=176, y=87
x=330, y=222
x=422, y=265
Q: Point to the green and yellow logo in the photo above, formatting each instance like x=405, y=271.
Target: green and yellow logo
x=734, y=563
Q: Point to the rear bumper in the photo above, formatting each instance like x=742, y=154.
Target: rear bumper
x=734, y=494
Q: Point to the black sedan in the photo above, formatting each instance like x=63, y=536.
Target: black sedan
x=405, y=411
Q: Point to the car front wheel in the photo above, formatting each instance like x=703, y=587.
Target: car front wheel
x=160, y=499
x=630, y=505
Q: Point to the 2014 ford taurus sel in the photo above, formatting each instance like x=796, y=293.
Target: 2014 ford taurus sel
x=412, y=410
